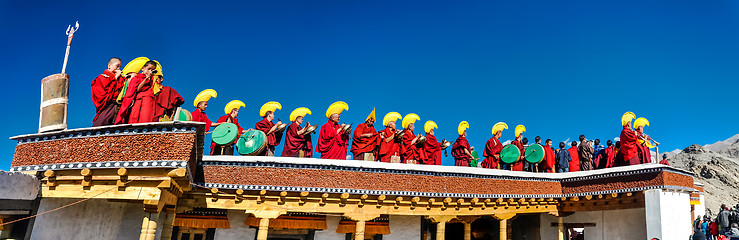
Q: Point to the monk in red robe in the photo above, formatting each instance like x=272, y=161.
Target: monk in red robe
x=228, y=149
x=549, y=158
x=333, y=141
x=411, y=148
x=575, y=163
x=664, y=160
x=199, y=116
x=461, y=151
x=138, y=103
x=105, y=89
x=518, y=165
x=645, y=156
x=270, y=129
x=492, y=151
x=365, y=140
x=167, y=101
x=628, y=155
x=389, y=144
x=432, y=147
x=297, y=140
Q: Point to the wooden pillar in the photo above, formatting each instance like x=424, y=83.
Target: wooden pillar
x=167, y=225
x=359, y=231
x=149, y=226
x=263, y=229
x=467, y=231
x=560, y=228
x=441, y=221
x=503, y=218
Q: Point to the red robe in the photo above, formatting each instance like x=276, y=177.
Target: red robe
x=166, y=102
x=225, y=118
x=363, y=144
x=330, y=144
x=461, y=158
x=274, y=138
x=492, y=153
x=105, y=89
x=549, y=159
x=137, y=106
x=388, y=149
x=433, y=151
x=664, y=162
x=628, y=152
x=645, y=156
x=412, y=151
x=575, y=163
x=198, y=116
x=518, y=165
x=295, y=142
x=608, y=157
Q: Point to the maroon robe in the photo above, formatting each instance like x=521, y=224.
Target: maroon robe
x=198, y=116
x=223, y=119
x=628, y=154
x=105, y=88
x=433, y=150
x=575, y=163
x=549, y=159
x=364, y=144
x=645, y=156
x=412, y=151
x=295, y=142
x=330, y=144
x=518, y=165
x=166, y=102
x=273, y=139
x=461, y=158
x=664, y=162
x=492, y=153
x=137, y=106
x=609, y=157
x=388, y=149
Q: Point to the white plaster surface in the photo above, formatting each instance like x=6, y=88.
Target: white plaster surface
x=18, y=186
x=667, y=214
x=91, y=219
x=626, y=224
x=332, y=222
x=238, y=230
x=404, y=228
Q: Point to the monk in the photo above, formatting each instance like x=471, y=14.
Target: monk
x=167, y=100
x=269, y=128
x=493, y=147
x=297, y=139
x=432, y=147
x=628, y=152
x=138, y=103
x=333, y=140
x=411, y=148
x=645, y=156
x=461, y=148
x=664, y=160
x=389, y=142
x=230, y=117
x=105, y=89
x=549, y=158
x=365, y=140
x=575, y=163
x=518, y=165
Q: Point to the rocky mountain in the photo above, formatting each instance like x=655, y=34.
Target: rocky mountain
x=717, y=167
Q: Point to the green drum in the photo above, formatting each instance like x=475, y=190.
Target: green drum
x=475, y=159
x=534, y=153
x=510, y=153
x=184, y=115
x=225, y=133
x=252, y=143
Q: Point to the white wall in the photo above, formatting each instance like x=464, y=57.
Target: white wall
x=238, y=230
x=667, y=214
x=91, y=219
x=627, y=224
x=404, y=228
x=700, y=209
x=332, y=222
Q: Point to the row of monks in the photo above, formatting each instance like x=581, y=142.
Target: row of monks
x=136, y=95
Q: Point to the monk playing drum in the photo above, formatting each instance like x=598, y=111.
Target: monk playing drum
x=297, y=139
x=411, y=147
x=201, y=102
x=232, y=112
x=105, y=89
x=627, y=155
x=461, y=148
x=432, y=147
x=518, y=165
x=389, y=142
x=334, y=138
x=493, y=147
x=365, y=140
x=272, y=130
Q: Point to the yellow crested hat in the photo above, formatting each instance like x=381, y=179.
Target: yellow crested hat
x=391, y=117
x=519, y=130
x=499, y=127
x=640, y=122
x=159, y=69
x=204, y=96
x=429, y=125
x=269, y=107
x=462, y=127
x=627, y=117
x=230, y=106
x=410, y=118
x=299, y=112
x=371, y=115
x=135, y=65
x=336, y=108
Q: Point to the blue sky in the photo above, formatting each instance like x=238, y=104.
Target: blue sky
x=561, y=68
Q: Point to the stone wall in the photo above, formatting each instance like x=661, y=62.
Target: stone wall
x=91, y=219
x=18, y=186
